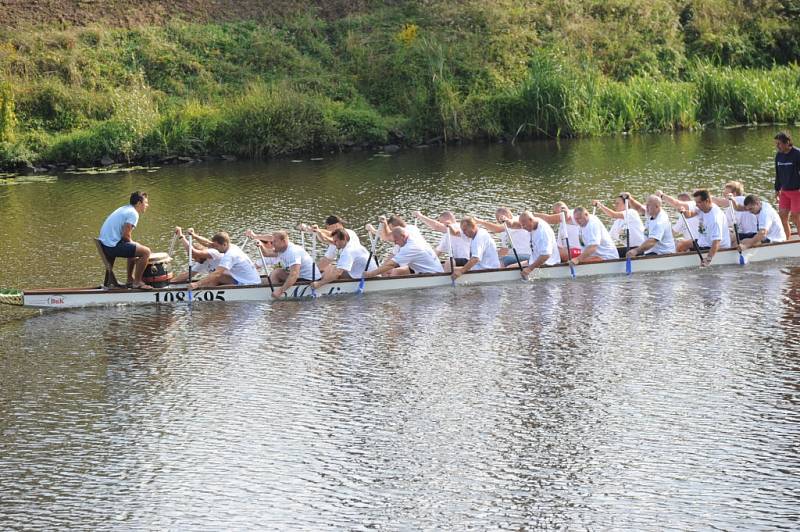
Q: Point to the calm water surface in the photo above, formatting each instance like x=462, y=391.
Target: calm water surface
x=666, y=401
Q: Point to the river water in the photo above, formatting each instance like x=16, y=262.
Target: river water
x=664, y=401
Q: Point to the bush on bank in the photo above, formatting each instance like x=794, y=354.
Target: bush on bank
x=409, y=72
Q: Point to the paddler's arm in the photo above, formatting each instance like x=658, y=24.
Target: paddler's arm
x=728, y=201
x=617, y=215
x=458, y=272
x=672, y=201
x=127, y=232
x=436, y=225
x=711, y=252
x=541, y=259
x=200, y=239
x=549, y=218
x=294, y=274
x=385, y=267
x=633, y=203
x=585, y=254
x=323, y=235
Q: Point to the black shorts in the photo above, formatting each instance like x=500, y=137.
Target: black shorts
x=624, y=251
x=742, y=236
x=123, y=249
x=460, y=262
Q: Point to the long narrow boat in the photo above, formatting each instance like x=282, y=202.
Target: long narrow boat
x=86, y=297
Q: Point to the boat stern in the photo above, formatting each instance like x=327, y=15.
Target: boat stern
x=10, y=296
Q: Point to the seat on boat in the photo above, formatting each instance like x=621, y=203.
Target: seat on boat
x=110, y=280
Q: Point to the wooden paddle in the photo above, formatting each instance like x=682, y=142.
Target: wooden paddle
x=373, y=242
x=264, y=265
x=314, y=266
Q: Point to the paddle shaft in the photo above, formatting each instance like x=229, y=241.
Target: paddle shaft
x=190, y=268
x=264, y=265
x=569, y=248
x=450, y=251
x=736, y=231
x=694, y=240
x=511, y=243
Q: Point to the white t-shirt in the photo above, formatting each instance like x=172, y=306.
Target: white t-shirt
x=353, y=259
x=210, y=264
x=694, y=223
x=520, y=238
x=419, y=256
x=713, y=226
x=460, y=245
x=744, y=219
x=239, y=266
x=484, y=249
x=331, y=252
x=636, y=227
x=769, y=219
x=543, y=242
x=295, y=254
x=572, y=232
x=595, y=233
x=659, y=229
x=413, y=234
x=111, y=231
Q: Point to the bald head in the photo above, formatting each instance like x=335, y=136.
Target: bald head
x=527, y=220
x=503, y=213
x=653, y=205
x=447, y=217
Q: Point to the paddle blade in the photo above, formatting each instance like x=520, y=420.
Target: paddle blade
x=628, y=266
x=741, y=259
x=572, y=270
x=361, y=284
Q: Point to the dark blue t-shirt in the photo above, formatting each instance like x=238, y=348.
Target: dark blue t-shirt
x=787, y=170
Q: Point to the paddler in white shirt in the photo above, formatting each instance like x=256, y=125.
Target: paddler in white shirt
x=520, y=238
x=332, y=223
x=296, y=262
x=413, y=255
x=452, y=237
x=388, y=225
x=543, y=244
x=746, y=222
x=205, y=259
x=623, y=220
x=768, y=225
x=352, y=259
x=659, y=231
x=713, y=227
x=482, y=249
x=595, y=241
x=570, y=232
x=234, y=268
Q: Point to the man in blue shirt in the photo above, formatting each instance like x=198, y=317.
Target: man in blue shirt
x=115, y=236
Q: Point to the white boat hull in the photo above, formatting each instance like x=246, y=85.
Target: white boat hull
x=84, y=297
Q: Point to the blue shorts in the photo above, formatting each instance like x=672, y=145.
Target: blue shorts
x=122, y=249
x=510, y=259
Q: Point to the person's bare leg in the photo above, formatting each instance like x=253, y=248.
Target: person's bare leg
x=796, y=221
x=683, y=245
x=131, y=264
x=593, y=258
x=142, y=256
x=564, y=254
x=403, y=270
x=215, y=279
x=784, y=214
x=278, y=276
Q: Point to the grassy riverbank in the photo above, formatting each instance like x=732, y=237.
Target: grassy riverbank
x=399, y=73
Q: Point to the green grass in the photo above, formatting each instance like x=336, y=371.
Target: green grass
x=402, y=72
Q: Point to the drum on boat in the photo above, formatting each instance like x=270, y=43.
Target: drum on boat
x=158, y=272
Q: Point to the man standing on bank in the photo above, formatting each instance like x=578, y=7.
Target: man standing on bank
x=787, y=181
x=115, y=237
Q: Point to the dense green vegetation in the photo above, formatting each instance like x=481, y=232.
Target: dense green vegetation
x=405, y=72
